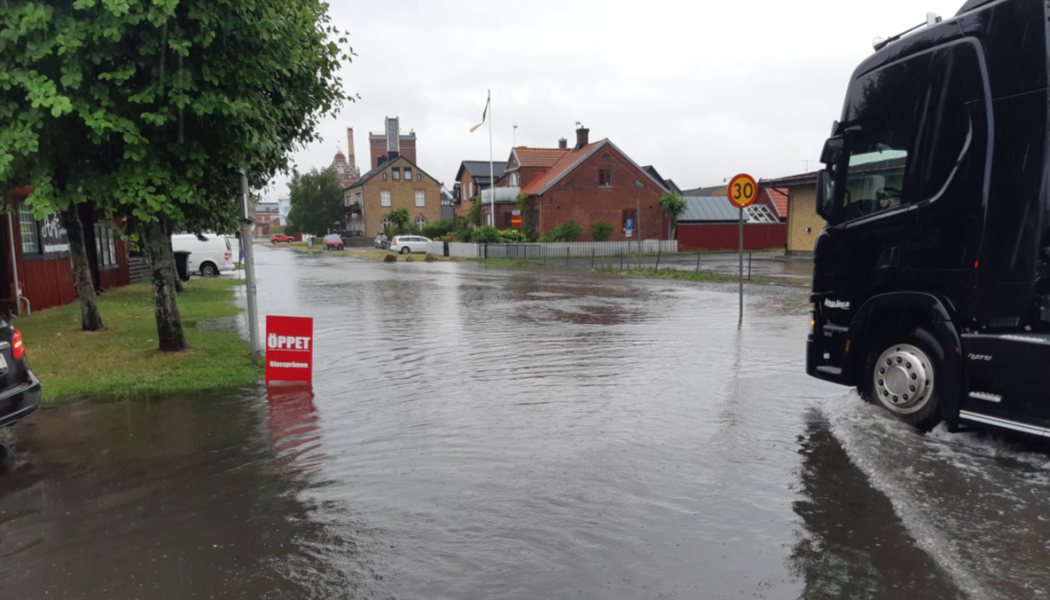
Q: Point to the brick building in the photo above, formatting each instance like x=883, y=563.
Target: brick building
x=589, y=183
x=472, y=177
x=396, y=183
x=391, y=141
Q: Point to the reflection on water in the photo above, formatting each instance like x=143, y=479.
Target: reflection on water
x=171, y=499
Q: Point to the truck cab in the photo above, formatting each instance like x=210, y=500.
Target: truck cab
x=931, y=283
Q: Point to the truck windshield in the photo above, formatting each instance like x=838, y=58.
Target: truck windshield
x=909, y=126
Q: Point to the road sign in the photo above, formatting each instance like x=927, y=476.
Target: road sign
x=289, y=348
x=515, y=213
x=743, y=190
x=628, y=227
x=515, y=221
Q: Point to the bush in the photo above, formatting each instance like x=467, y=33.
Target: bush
x=462, y=235
x=277, y=229
x=601, y=231
x=485, y=235
x=566, y=232
x=511, y=236
x=438, y=228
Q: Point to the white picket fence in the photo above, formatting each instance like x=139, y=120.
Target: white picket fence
x=538, y=250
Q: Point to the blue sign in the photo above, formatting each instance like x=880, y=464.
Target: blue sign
x=630, y=224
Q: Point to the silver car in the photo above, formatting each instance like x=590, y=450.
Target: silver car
x=409, y=243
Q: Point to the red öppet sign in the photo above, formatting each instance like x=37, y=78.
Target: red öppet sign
x=289, y=348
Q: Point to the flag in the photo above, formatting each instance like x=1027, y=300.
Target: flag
x=484, y=113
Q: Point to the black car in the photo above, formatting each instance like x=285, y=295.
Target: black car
x=19, y=387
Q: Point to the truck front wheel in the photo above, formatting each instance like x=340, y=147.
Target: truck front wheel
x=901, y=376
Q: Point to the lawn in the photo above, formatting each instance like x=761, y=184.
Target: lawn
x=123, y=361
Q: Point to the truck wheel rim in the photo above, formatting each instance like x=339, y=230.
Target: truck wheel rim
x=903, y=379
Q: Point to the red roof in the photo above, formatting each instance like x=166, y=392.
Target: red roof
x=780, y=199
x=539, y=157
x=566, y=162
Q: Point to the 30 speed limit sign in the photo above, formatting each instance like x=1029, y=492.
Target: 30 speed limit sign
x=743, y=190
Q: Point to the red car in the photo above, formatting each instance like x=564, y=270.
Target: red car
x=278, y=237
x=332, y=241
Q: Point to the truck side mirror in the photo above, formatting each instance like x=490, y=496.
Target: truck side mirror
x=825, y=194
x=833, y=149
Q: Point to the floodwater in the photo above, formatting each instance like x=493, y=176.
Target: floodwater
x=486, y=433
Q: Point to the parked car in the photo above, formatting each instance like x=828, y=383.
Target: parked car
x=209, y=257
x=382, y=242
x=19, y=387
x=332, y=241
x=280, y=237
x=409, y=243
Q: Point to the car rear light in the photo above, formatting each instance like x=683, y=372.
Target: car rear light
x=227, y=257
x=17, y=348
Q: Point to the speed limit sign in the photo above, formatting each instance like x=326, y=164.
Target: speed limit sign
x=743, y=190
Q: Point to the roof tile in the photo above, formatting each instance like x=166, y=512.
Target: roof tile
x=567, y=160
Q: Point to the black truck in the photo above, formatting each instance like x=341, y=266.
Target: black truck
x=931, y=280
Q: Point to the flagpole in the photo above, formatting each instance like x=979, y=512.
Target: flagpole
x=492, y=181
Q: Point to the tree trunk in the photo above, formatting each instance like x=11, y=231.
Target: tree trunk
x=162, y=271
x=90, y=319
x=179, y=288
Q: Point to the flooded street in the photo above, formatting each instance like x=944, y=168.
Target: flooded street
x=477, y=432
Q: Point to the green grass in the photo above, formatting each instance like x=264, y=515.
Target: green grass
x=123, y=361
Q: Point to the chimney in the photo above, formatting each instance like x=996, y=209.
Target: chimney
x=381, y=160
x=563, y=144
x=350, y=148
x=581, y=137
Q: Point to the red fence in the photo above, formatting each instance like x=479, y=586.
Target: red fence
x=725, y=236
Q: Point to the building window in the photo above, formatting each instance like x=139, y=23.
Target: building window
x=471, y=193
x=105, y=245
x=605, y=177
x=419, y=177
x=421, y=223
x=513, y=180
x=384, y=198
x=384, y=175
x=420, y=199
x=386, y=222
x=408, y=173
x=30, y=231
x=397, y=173
x=630, y=214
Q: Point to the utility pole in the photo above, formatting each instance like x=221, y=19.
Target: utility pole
x=249, y=269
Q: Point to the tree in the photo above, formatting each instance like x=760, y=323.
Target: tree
x=673, y=206
x=601, y=231
x=399, y=219
x=317, y=199
x=150, y=109
x=474, y=213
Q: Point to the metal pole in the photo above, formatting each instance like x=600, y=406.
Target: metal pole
x=658, y=251
x=492, y=181
x=249, y=270
x=593, y=252
x=749, y=266
x=698, y=252
x=740, y=321
x=14, y=264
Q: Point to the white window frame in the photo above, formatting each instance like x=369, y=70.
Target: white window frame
x=421, y=222
x=513, y=180
x=384, y=198
x=30, y=232
x=397, y=173
x=421, y=199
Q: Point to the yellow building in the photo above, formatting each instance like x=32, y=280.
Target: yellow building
x=803, y=222
x=397, y=183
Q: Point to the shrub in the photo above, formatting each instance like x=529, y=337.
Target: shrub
x=438, y=228
x=601, y=231
x=511, y=236
x=566, y=232
x=274, y=229
x=485, y=235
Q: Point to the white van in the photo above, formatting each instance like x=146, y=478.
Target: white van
x=209, y=257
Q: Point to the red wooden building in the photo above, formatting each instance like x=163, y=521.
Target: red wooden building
x=40, y=260
x=712, y=223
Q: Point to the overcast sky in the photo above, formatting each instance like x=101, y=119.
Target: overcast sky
x=701, y=89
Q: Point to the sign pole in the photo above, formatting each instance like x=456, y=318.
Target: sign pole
x=743, y=190
x=740, y=321
x=249, y=268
